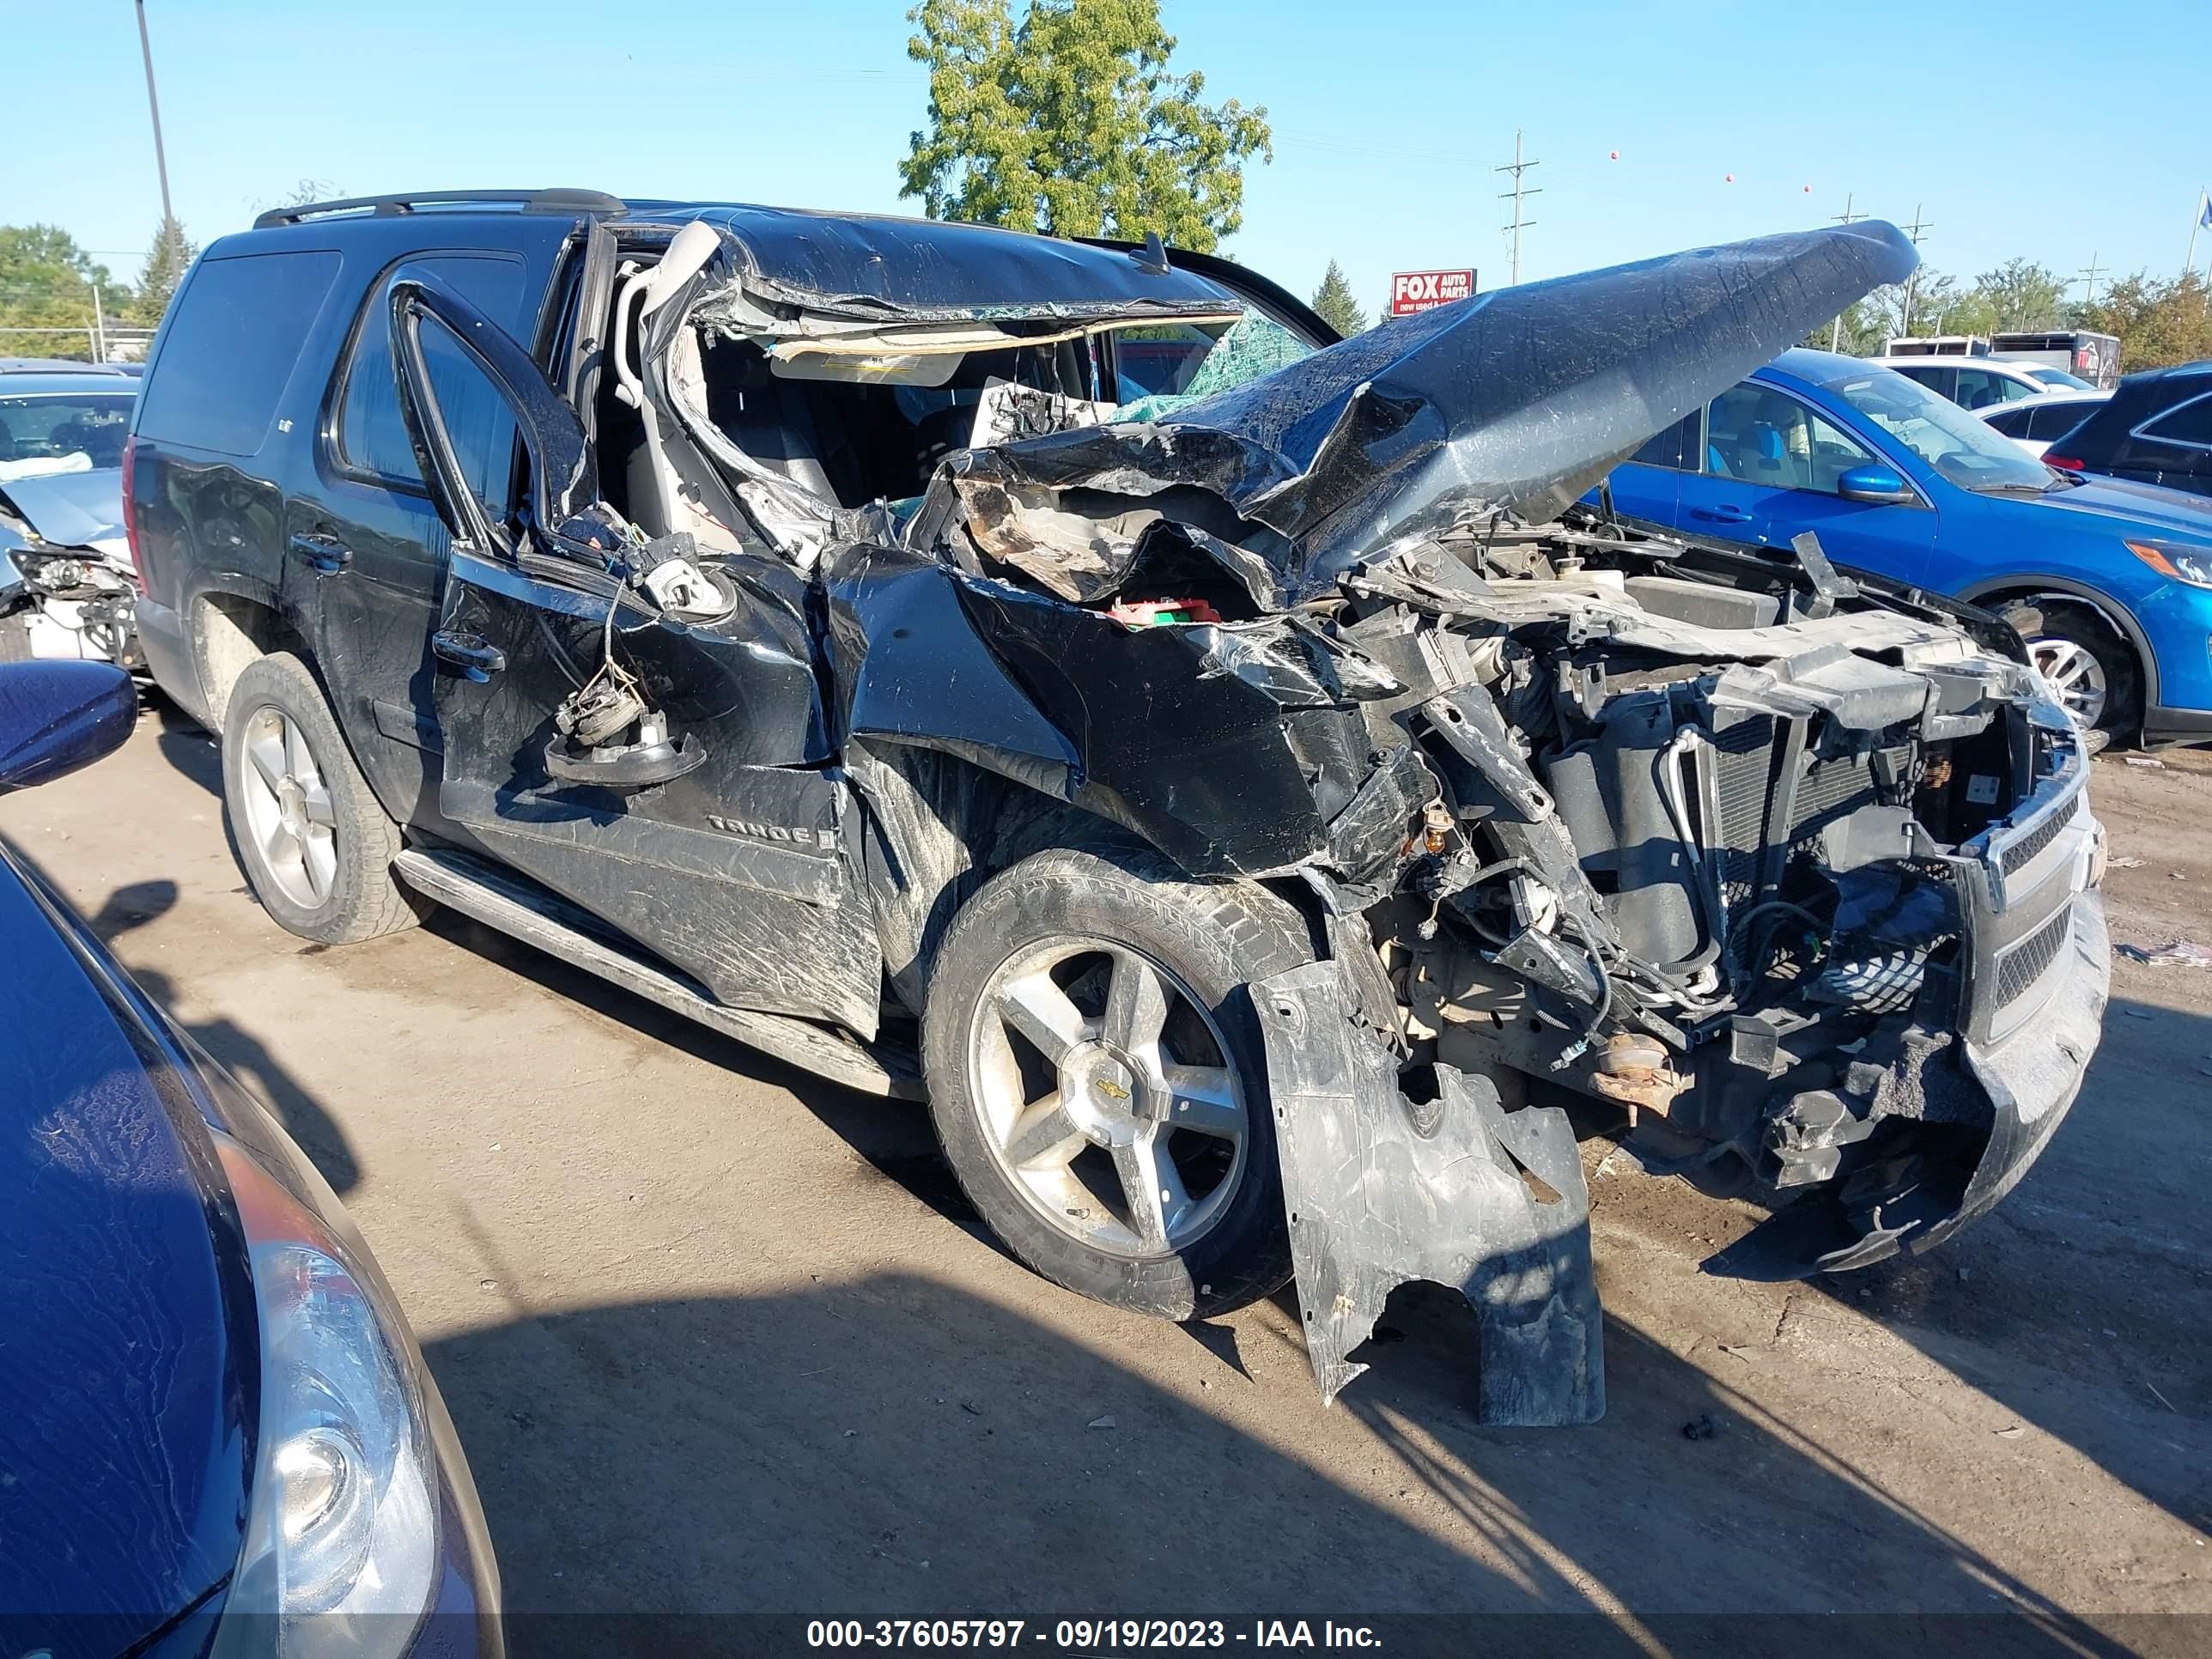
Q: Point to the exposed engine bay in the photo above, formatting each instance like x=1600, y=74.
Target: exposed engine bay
x=1785, y=875
x=67, y=588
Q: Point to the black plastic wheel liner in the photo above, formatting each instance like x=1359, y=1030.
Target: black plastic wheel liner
x=1379, y=1194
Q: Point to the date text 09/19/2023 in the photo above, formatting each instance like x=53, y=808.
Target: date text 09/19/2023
x=1085, y=1634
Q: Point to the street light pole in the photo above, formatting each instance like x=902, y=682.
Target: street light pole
x=154, y=104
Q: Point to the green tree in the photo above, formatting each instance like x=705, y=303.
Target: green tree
x=1861, y=331
x=1069, y=122
x=46, y=282
x=2023, y=294
x=1332, y=299
x=2160, y=322
x=167, y=258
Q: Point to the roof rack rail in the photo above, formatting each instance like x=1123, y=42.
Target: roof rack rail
x=525, y=201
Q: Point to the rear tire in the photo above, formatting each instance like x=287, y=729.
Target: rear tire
x=1107, y=986
x=316, y=845
x=2081, y=654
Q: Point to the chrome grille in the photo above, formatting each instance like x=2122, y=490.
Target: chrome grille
x=2026, y=963
x=2022, y=853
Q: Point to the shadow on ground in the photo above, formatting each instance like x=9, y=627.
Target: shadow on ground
x=852, y=1452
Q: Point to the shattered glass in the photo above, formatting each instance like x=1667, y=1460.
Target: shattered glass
x=1251, y=346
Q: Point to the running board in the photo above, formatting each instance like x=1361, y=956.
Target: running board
x=498, y=899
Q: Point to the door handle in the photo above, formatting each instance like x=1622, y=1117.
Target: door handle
x=325, y=555
x=1722, y=515
x=476, y=658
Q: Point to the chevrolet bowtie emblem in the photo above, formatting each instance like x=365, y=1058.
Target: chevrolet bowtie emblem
x=1111, y=1089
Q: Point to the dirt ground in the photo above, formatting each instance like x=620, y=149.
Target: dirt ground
x=721, y=1337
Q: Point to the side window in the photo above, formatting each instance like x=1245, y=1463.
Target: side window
x=1978, y=389
x=1943, y=380
x=372, y=435
x=2010, y=391
x=231, y=347
x=2054, y=421
x=2189, y=425
x=1762, y=436
x=1675, y=448
x=2013, y=422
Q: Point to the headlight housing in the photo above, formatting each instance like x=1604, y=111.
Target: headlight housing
x=2178, y=559
x=341, y=1551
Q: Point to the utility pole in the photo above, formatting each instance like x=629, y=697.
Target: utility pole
x=1517, y=169
x=2089, y=273
x=154, y=104
x=1914, y=231
x=1836, y=328
x=99, y=328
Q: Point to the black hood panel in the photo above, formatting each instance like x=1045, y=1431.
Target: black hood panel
x=1522, y=397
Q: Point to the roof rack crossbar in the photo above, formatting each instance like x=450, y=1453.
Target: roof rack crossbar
x=527, y=201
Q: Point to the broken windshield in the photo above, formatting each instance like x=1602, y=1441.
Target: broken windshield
x=1163, y=367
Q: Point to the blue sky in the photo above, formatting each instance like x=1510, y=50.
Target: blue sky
x=1388, y=118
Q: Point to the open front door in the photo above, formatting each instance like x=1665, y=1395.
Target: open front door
x=738, y=864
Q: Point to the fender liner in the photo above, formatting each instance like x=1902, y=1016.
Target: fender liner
x=1380, y=1191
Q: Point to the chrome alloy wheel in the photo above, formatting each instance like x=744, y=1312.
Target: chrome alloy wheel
x=2076, y=674
x=287, y=809
x=1107, y=1096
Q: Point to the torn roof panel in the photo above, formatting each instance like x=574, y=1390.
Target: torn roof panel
x=882, y=265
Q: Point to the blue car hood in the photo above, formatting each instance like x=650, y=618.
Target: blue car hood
x=2171, y=514
x=125, y=1377
x=70, y=510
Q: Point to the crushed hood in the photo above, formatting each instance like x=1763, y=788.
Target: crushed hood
x=1520, y=398
x=70, y=510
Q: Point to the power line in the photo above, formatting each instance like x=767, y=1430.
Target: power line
x=1836, y=328
x=1913, y=232
x=2088, y=274
x=1517, y=169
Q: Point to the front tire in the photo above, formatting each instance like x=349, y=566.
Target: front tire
x=2082, y=656
x=315, y=843
x=1099, y=1082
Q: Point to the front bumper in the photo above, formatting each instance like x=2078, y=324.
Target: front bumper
x=2034, y=1074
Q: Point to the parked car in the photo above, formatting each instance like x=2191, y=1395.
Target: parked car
x=67, y=587
x=2157, y=429
x=2110, y=582
x=2034, y=422
x=1233, y=791
x=1979, y=383
x=216, y=1434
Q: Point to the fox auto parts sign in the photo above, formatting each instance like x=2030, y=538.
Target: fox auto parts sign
x=1424, y=290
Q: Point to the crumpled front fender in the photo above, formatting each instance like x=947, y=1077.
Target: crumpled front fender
x=1381, y=1191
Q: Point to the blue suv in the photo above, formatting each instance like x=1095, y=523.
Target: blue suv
x=2110, y=582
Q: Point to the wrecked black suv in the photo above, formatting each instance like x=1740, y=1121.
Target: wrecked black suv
x=1225, y=769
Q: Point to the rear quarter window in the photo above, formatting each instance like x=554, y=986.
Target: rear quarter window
x=231, y=348
x=2189, y=425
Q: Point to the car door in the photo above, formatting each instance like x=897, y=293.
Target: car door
x=1772, y=468
x=366, y=549
x=733, y=857
x=1648, y=484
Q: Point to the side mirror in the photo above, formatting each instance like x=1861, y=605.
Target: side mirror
x=57, y=716
x=1874, y=483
